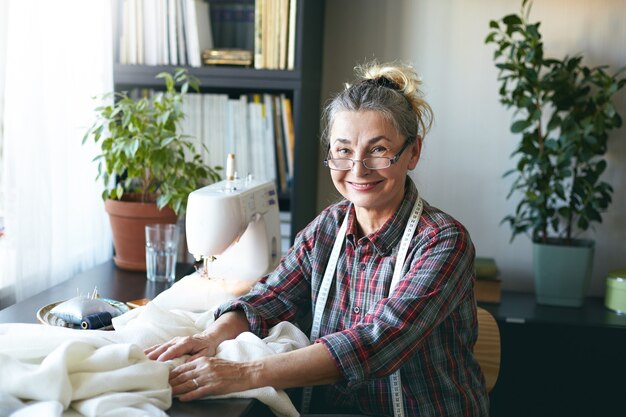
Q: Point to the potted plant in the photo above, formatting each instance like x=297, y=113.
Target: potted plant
x=147, y=165
x=563, y=114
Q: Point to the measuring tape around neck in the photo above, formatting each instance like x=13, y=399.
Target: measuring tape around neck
x=327, y=280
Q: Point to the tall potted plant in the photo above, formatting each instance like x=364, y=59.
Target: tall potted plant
x=563, y=114
x=147, y=165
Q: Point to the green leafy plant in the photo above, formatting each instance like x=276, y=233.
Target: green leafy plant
x=143, y=155
x=564, y=113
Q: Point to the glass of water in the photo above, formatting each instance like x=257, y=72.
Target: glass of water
x=161, y=252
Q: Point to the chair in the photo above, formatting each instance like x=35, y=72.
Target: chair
x=487, y=347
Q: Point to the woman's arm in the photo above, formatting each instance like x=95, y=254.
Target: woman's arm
x=311, y=365
x=227, y=326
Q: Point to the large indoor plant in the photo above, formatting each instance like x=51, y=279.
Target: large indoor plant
x=147, y=165
x=563, y=114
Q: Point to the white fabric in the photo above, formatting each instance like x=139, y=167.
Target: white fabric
x=37, y=356
x=58, y=57
x=86, y=372
x=196, y=293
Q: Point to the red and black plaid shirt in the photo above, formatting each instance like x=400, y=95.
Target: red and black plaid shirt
x=427, y=327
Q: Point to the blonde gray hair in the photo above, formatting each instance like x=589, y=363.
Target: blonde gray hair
x=393, y=89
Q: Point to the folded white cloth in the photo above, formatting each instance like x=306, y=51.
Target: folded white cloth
x=89, y=375
x=60, y=371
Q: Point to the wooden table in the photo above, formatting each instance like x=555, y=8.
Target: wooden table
x=121, y=285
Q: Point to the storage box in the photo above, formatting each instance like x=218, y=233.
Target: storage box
x=615, y=296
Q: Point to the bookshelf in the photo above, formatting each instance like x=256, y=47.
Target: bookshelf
x=301, y=85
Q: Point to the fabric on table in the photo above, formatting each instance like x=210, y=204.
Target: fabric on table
x=57, y=371
x=196, y=293
x=91, y=376
x=152, y=324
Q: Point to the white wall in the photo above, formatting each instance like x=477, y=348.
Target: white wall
x=468, y=149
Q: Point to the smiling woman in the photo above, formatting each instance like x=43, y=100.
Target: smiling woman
x=54, y=222
x=389, y=279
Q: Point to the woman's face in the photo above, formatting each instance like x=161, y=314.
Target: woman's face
x=367, y=134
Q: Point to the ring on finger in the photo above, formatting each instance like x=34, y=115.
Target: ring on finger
x=195, y=382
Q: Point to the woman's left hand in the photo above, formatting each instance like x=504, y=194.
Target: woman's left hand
x=211, y=376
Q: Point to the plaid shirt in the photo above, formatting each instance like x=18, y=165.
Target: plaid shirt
x=427, y=327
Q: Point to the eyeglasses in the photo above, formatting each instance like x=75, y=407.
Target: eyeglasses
x=376, y=162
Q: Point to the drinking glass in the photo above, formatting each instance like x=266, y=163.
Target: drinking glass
x=161, y=252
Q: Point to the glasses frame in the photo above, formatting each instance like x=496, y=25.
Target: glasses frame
x=392, y=160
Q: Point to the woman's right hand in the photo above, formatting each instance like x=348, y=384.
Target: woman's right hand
x=196, y=346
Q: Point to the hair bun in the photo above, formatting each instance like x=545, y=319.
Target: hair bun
x=383, y=81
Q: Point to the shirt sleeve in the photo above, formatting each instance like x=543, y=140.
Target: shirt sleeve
x=437, y=276
x=281, y=295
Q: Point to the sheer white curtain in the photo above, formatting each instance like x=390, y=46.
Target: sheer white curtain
x=58, y=56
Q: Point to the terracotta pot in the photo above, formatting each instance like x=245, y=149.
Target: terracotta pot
x=128, y=220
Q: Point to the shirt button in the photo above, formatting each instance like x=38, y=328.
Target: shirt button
x=362, y=265
x=356, y=310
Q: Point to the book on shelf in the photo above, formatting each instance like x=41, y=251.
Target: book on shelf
x=241, y=57
x=487, y=290
x=289, y=136
x=485, y=267
x=291, y=41
x=274, y=34
x=279, y=144
x=258, y=34
x=203, y=19
x=163, y=32
x=487, y=286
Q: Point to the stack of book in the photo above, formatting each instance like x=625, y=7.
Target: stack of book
x=257, y=128
x=275, y=34
x=162, y=32
x=176, y=32
x=488, y=283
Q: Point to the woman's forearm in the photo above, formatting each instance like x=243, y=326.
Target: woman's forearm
x=308, y=366
x=228, y=326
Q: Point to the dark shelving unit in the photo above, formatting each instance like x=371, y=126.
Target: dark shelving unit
x=302, y=85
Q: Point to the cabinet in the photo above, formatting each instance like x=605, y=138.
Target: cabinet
x=302, y=85
x=558, y=361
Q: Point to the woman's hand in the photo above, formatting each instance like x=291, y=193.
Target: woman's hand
x=211, y=376
x=196, y=346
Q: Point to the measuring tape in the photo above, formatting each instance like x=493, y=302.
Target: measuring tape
x=322, y=298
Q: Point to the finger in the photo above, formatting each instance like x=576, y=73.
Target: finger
x=176, y=351
x=181, y=369
x=185, y=386
x=151, y=349
x=154, y=350
x=195, y=394
x=200, y=354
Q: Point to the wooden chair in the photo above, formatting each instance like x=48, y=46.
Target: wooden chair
x=487, y=347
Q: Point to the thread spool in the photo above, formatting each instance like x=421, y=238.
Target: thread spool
x=96, y=321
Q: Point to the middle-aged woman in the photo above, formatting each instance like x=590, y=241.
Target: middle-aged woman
x=387, y=277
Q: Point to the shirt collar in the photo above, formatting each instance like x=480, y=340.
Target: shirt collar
x=388, y=236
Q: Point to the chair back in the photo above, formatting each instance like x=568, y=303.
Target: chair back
x=487, y=347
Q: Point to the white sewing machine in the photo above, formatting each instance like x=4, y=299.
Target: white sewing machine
x=234, y=226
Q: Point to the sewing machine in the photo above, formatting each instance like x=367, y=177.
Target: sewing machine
x=234, y=227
